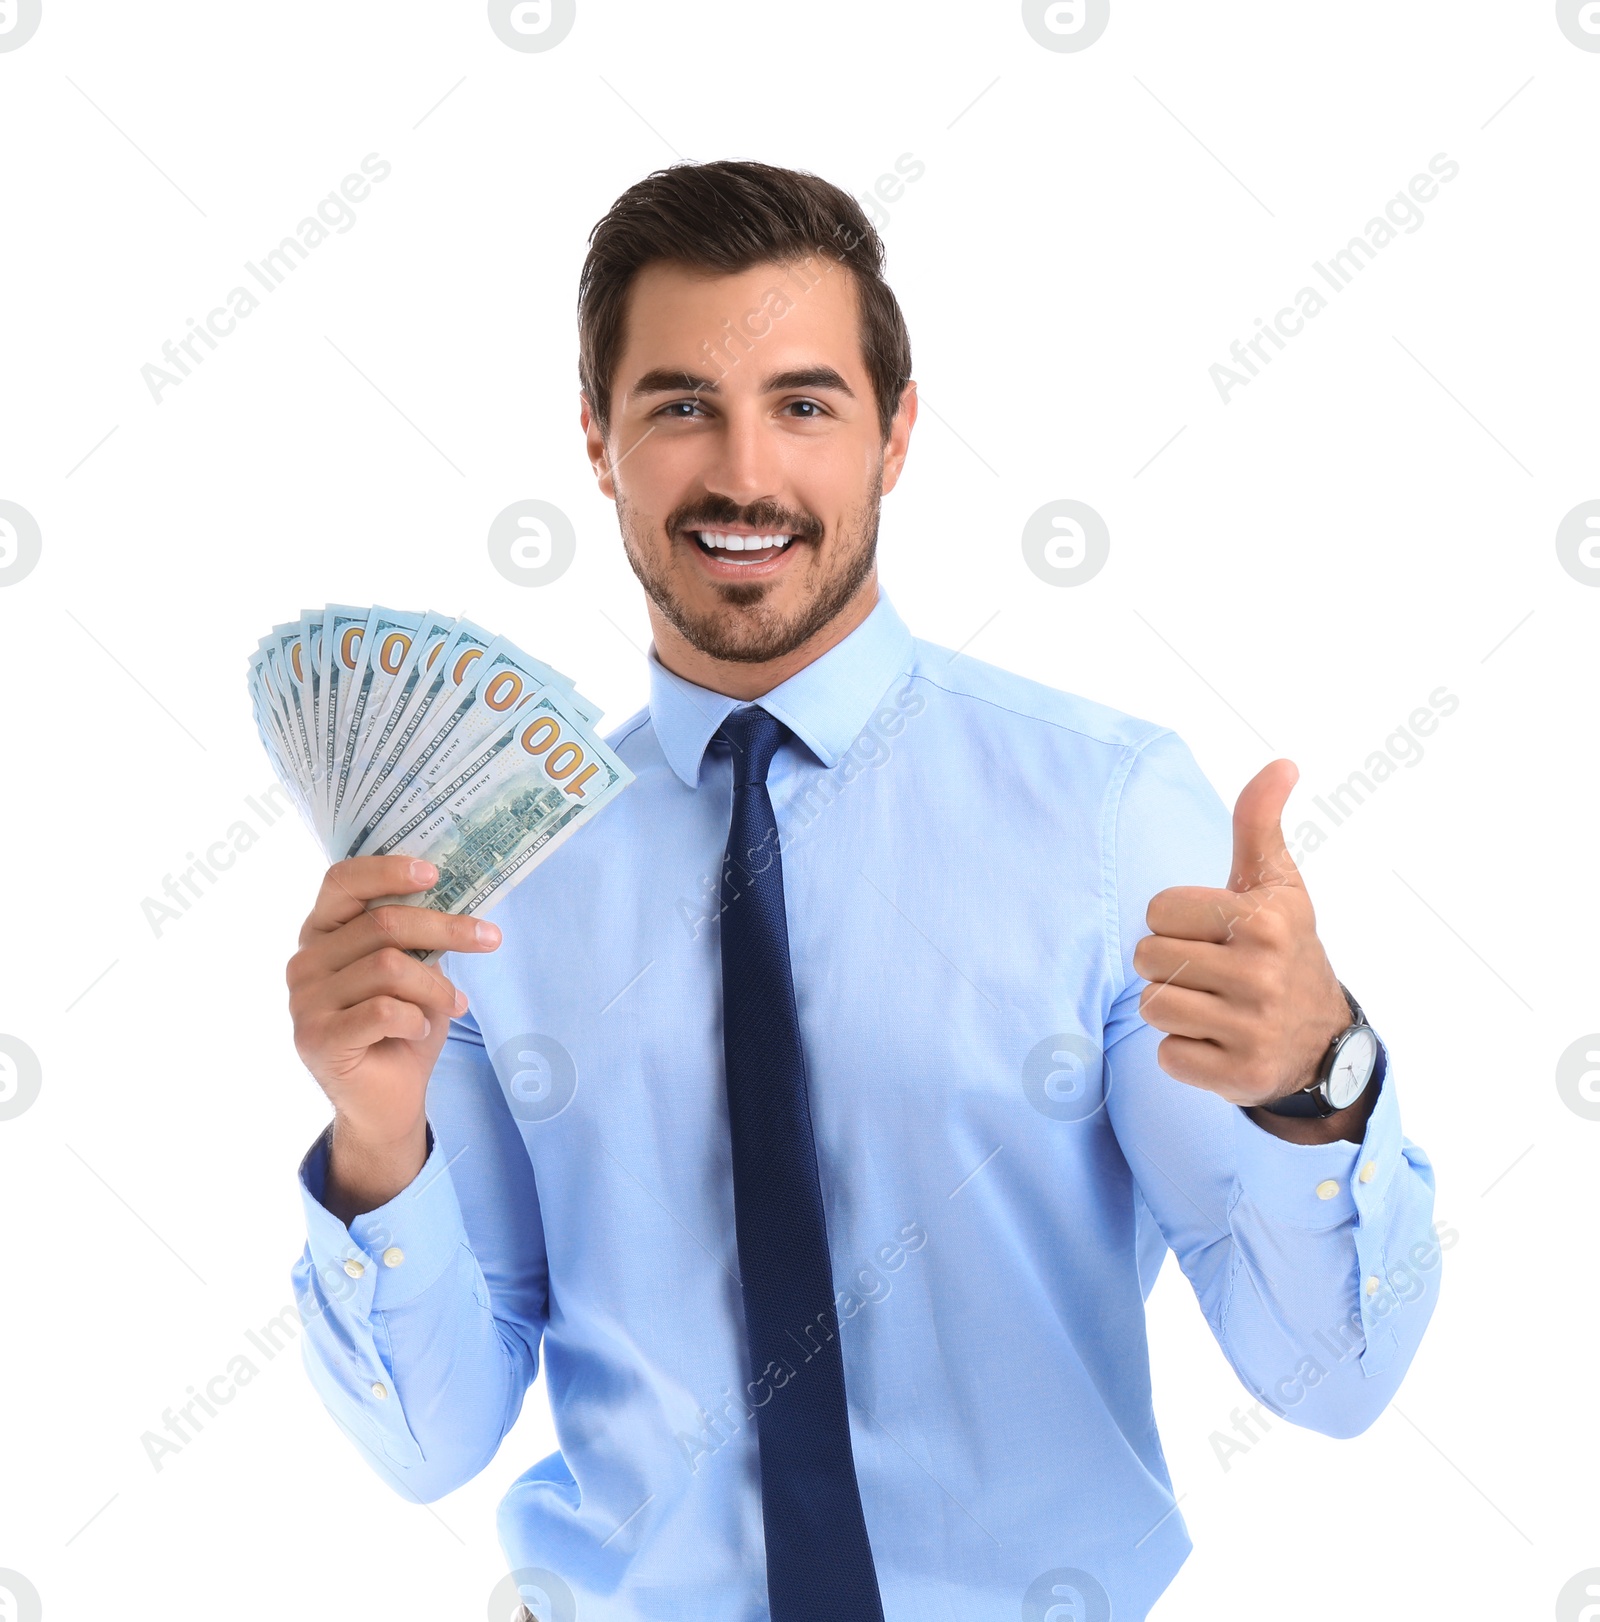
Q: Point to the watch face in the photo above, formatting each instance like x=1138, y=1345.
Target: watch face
x=1352, y=1067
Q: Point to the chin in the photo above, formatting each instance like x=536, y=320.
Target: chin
x=743, y=627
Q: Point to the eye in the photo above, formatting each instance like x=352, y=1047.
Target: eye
x=679, y=410
x=807, y=410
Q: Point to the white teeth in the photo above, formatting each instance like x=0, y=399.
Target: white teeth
x=741, y=543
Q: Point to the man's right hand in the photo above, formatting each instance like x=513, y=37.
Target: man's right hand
x=370, y=1020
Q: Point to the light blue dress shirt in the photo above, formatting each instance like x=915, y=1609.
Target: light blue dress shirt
x=967, y=859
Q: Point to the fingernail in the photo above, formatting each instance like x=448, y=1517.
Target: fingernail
x=427, y=1025
x=424, y=872
x=488, y=934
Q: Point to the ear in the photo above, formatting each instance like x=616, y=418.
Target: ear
x=899, y=441
x=595, y=446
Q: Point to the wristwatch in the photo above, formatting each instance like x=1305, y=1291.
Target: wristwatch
x=1345, y=1073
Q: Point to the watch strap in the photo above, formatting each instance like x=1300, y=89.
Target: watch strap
x=1313, y=1101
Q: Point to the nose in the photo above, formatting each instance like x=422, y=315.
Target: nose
x=745, y=466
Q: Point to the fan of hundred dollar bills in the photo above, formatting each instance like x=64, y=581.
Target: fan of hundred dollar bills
x=425, y=735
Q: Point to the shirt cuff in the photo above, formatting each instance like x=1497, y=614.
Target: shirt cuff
x=1318, y=1187
x=1321, y=1185
x=390, y=1255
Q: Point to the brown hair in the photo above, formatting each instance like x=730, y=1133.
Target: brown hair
x=725, y=217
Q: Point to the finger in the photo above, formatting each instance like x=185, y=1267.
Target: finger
x=1197, y=1064
x=373, y=1021
x=390, y=972
x=1192, y=913
x=1199, y=965
x=349, y=885
x=1180, y=1012
x=1260, y=852
x=410, y=928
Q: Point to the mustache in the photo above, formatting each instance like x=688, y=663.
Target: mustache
x=766, y=517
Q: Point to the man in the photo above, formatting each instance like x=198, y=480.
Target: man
x=827, y=1108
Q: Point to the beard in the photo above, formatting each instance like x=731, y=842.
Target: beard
x=745, y=627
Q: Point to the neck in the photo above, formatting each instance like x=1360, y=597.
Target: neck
x=742, y=680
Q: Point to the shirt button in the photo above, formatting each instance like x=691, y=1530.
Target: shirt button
x=379, y=1390
x=1327, y=1188
x=1369, y=1171
x=1372, y=1284
x=354, y=1268
x=393, y=1256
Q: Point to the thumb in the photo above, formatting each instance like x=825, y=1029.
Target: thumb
x=1260, y=854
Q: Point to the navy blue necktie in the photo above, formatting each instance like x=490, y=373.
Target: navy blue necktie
x=819, y=1562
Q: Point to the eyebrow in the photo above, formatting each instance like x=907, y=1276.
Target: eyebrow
x=666, y=380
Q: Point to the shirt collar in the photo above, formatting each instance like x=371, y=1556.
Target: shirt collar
x=825, y=705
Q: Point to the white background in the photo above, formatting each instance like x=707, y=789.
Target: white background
x=1372, y=518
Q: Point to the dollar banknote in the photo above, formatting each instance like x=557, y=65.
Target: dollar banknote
x=423, y=734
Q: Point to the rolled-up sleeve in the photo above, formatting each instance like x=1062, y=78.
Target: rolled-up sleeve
x=1316, y=1265
x=423, y=1317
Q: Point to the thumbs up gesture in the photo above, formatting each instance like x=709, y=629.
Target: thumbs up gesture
x=1237, y=977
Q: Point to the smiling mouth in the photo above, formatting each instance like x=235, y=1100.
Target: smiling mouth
x=740, y=550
